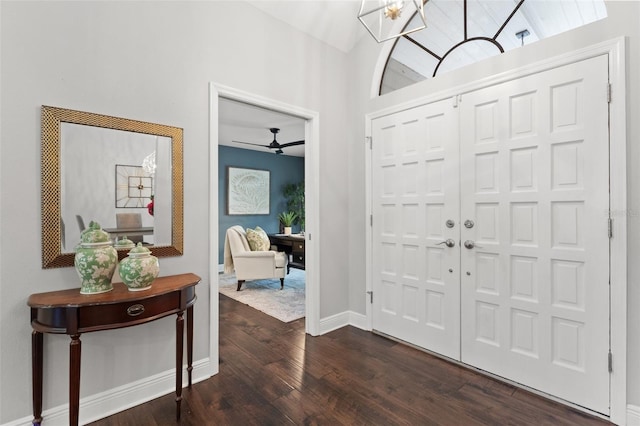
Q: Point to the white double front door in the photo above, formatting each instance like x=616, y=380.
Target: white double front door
x=490, y=230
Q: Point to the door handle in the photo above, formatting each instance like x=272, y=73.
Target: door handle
x=471, y=244
x=448, y=243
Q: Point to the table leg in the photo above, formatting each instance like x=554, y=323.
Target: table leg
x=36, y=373
x=179, y=351
x=75, y=348
x=189, y=342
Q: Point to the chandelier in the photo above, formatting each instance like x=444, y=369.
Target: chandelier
x=382, y=17
x=149, y=163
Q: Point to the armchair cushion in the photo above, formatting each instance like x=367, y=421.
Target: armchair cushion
x=258, y=239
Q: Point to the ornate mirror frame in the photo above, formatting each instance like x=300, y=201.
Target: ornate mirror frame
x=52, y=117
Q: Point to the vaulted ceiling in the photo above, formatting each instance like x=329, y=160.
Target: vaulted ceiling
x=331, y=21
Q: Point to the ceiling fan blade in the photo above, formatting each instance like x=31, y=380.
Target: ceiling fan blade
x=284, y=145
x=254, y=144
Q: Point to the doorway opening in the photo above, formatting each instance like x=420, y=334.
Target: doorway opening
x=261, y=190
x=310, y=119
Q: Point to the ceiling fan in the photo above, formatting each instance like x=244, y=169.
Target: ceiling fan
x=274, y=143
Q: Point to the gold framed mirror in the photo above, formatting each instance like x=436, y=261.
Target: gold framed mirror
x=94, y=167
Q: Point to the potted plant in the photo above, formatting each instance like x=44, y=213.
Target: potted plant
x=294, y=194
x=287, y=219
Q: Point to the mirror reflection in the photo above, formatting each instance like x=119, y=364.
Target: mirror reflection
x=124, y=174
x=113, y=177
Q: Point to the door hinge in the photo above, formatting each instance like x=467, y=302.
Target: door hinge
x=609, y=93
x=371, y=220
x=610, y=228
x=610, y=361
x=369, y=140
x=370, y=293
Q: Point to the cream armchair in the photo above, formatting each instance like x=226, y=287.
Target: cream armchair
x=251, y=265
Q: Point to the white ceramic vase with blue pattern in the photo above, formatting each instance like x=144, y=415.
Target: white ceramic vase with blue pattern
x=95, y=260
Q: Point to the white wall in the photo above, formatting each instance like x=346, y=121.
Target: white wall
x=623, y=20
x=150, y=61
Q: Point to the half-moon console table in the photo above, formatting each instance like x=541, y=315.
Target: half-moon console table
x=72, y=313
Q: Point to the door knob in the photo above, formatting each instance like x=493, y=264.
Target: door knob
x=448, y=243
x=471, y=244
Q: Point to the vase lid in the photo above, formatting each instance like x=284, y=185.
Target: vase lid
x=125, y=243
x=94, y=234
x=139, y=250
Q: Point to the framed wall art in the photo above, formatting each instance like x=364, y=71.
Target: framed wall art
x=248, y=191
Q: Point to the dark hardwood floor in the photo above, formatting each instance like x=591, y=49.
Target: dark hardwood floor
x=271, y=373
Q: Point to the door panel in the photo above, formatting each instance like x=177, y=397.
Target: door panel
x=534, y=289
x=415, y=191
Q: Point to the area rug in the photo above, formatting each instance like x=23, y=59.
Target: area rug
x=286, y=305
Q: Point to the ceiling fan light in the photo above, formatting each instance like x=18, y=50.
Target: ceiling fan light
x=381, y=18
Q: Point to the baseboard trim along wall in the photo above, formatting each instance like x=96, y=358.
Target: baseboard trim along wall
x=358, y=320
x=342, y=319
x=99, y=406
x=633, y=415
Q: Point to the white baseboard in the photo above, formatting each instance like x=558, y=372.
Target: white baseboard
x=99, y=406
x=342, y=319
x=334, y=322
x=358, y=320
x=633, y=415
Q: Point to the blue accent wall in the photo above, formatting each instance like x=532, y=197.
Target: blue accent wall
x=284, y=170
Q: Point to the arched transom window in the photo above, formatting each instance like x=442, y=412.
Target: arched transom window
x=461, y=32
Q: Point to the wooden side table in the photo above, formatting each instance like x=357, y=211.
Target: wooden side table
x=72, y=313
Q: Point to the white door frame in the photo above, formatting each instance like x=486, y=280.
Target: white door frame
x=312, y=213
x=616, y=49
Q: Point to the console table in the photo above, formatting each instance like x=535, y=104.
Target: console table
x=72, y=313
x=293, y=245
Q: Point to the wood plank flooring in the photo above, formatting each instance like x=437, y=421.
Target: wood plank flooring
x=271, y=373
